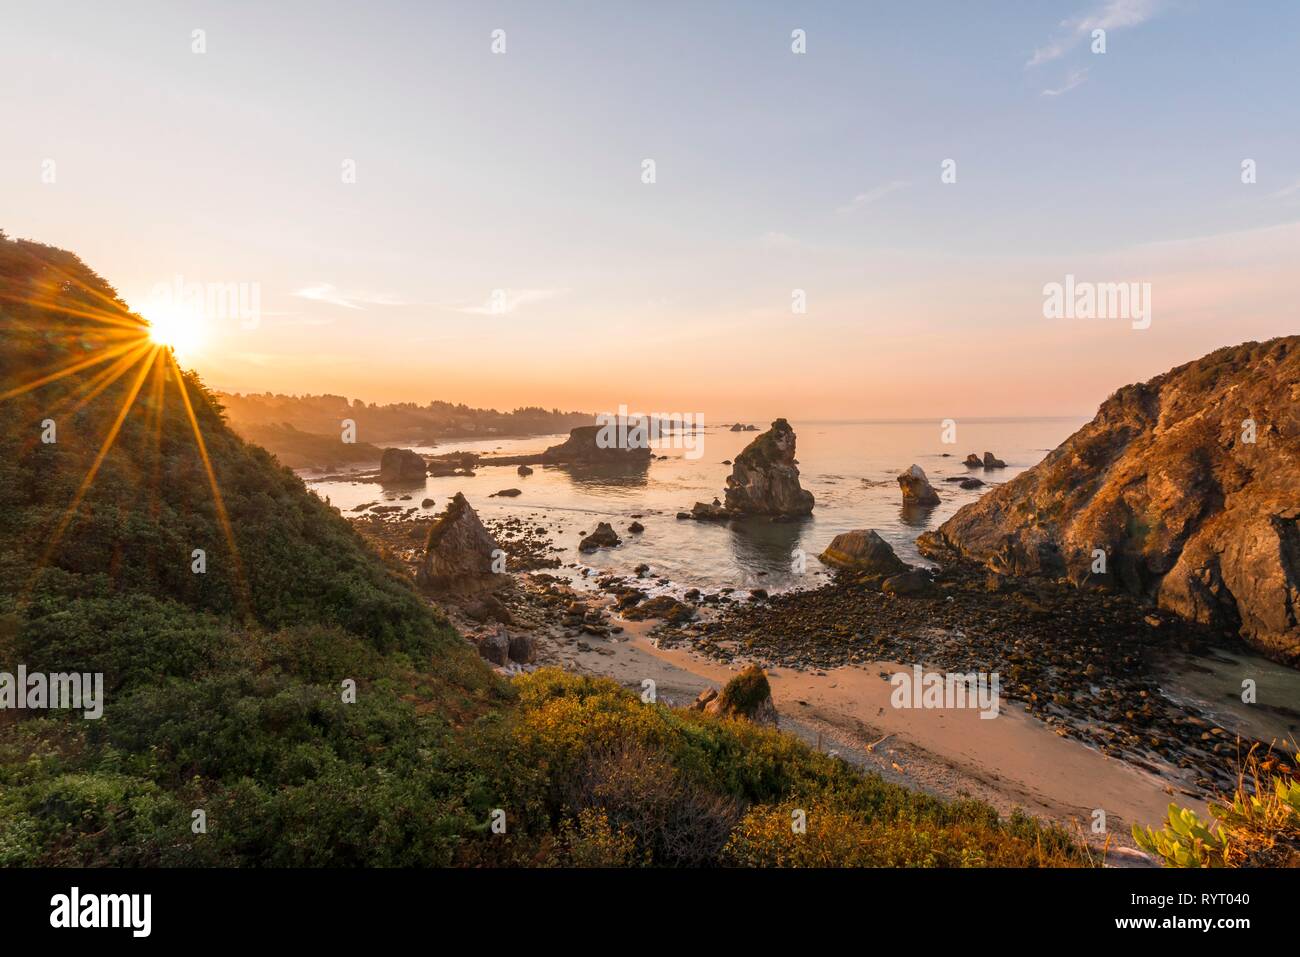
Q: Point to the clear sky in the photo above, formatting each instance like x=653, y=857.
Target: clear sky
x=521, y=172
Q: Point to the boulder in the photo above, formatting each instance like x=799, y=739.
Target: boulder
x=973, y=461
x=522, y=648
x=991, y=461
x=495, y=646
x=489, y=608
x=748, y=696
x=913, y=582
x=524, y=470
x=458, y=554
x=917, y=489
x=427, y=503
x=401, y=466
x=764, y=479
x=1190, y=484
x=603, y=537
x=862, y=550
x=636, y=528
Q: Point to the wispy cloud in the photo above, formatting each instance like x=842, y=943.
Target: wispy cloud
x=1286, y=191
x=1111, y=15
x=331, y=294
x=1076, y=78
x=505, y=301
x=872, y=195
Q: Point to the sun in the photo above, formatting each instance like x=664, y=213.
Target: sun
x=184, y=331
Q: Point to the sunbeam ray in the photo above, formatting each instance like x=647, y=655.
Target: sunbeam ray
x=220, y=504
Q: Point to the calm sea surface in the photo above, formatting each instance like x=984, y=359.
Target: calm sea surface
x=850, y=467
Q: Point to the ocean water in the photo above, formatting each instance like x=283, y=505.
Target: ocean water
x=850, y=467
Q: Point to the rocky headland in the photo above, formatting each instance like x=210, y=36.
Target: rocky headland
x=1183, y=492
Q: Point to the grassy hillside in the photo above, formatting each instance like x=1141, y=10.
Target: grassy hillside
x=225, y=689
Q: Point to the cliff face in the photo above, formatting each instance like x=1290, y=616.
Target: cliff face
x=1190, y=486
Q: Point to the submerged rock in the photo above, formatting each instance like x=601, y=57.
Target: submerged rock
x=917, y=489
x=862, y=550
x=1185, y=489
x=764, y=479
x=458, y=554
x=398, y=466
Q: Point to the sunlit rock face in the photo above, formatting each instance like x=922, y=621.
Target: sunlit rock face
x=764, y=478
x=401, y=466
x=459, y=553
x=1184, y=490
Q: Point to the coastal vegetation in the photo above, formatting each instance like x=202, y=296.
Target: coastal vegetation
x=277, y=694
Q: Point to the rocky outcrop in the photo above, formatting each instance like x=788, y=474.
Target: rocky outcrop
x=458, y=554
x=596, y=444
x=748, y=696
x=661, y=606
x=764, y=478
x=991, y=461
x=453, y=463
x=401, y=466
x=603, y=537
x=862, y=550
x=1184, y=490
x=917, y=489
x=973, y=461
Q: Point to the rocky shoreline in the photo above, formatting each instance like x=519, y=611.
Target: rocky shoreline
x=1080, y=662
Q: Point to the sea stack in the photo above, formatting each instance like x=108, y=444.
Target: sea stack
x=459, y=555
x=764, y=478
x=401, y=467
x=1186, y=486
x=584, y=446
